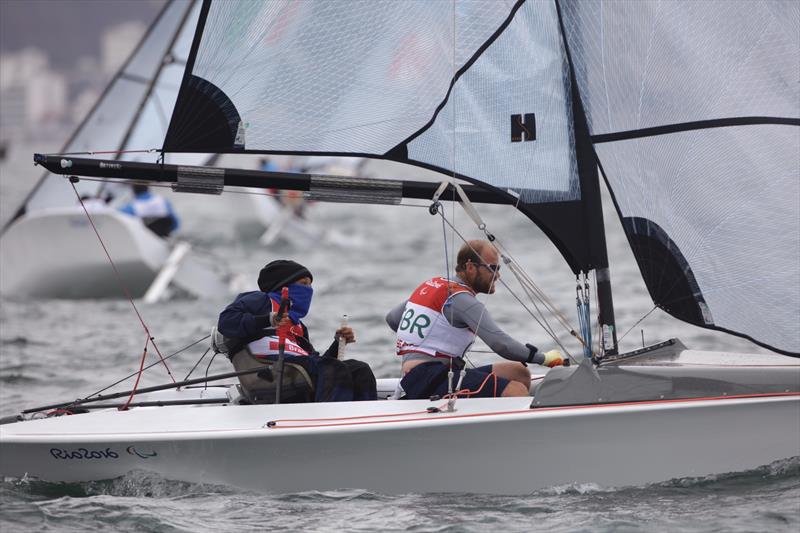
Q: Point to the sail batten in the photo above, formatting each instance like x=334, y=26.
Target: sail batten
x=696, y=125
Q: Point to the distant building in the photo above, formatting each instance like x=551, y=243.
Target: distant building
x=13, y=111
x=47, y=99
x=22, y=66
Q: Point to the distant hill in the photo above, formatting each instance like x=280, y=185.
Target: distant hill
x=67, y=29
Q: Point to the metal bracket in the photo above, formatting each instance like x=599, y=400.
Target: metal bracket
x=202, y=180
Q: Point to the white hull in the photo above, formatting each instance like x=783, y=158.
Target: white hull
x=54, y=253
x=486, y=445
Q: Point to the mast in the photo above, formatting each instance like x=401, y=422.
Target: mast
x=593, y=205
x=588, y=162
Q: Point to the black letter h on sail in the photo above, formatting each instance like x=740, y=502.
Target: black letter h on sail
x=523, y=130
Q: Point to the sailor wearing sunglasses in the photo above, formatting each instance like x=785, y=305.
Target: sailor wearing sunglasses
x=438, y=324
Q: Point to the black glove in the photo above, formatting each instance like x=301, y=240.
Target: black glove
x=533, y=351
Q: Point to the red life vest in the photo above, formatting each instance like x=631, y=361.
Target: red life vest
x=424, y=329
x=269, y=345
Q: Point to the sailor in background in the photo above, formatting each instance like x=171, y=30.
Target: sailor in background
x=244, y=321
x=438, y=324
x=155, y=211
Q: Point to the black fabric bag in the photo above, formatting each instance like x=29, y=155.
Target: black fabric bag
x=260, y=387
x=364, y=385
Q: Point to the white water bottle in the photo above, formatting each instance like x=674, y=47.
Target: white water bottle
x=342, y=340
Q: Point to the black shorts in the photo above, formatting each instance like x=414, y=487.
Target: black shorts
x=429, y=379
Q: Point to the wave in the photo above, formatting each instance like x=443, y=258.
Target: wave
x=17, y=378
x=135, y=484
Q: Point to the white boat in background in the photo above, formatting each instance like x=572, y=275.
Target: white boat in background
x=272, y=216
x=52, y=224
x=528, y=102
x=82, y=270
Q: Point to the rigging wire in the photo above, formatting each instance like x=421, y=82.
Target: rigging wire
x=122, y=285
x=151, y=365
x=637, y=322
x=198, y=363
x=532, y=291
x=209, y=366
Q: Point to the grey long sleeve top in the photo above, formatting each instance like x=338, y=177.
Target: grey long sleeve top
x=464, y=310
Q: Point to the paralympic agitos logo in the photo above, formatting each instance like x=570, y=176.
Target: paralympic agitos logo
x=144, y=455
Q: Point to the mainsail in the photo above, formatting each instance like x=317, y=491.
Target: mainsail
x=475, y=89
x=689, y=108
x=134, y=110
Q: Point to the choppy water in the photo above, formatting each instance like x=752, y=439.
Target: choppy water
x=57, y=350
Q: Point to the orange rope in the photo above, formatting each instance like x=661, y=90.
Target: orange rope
x=468, y=392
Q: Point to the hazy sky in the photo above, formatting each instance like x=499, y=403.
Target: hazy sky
x=67, y=29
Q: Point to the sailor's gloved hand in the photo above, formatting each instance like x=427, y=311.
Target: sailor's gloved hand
x=346, y=333
x=552, y=358
x=533, y=354
x=281, y=322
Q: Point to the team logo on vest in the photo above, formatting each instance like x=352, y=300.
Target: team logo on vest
x=410, y=322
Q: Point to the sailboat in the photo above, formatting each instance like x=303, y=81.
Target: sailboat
x=688, y=112
x=132, y=111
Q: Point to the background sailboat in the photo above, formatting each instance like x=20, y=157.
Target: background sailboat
x=132, y=112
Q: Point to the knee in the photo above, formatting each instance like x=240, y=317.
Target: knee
x=515, y=388
x=520, y=373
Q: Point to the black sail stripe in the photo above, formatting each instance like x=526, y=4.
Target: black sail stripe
x=689, y=126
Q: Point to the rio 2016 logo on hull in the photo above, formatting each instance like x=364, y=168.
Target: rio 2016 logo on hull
x=108, y=453
x=83, y=453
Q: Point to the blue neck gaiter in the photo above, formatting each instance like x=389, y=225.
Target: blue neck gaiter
x=300, y=298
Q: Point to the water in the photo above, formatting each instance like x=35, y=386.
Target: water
x=57, y=350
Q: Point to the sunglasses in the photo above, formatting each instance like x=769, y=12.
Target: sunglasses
x=493, y=268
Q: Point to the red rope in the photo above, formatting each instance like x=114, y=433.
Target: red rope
x=138, y=376
x=122, y=284
x=59, y=412
x=104, y=152
x=528, y=411
x=363, y=417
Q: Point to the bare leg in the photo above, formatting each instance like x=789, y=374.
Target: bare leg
x=515, y=388
x=513, y=372
x=518, y=374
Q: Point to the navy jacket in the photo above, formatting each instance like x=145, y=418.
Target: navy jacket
x=248, y=315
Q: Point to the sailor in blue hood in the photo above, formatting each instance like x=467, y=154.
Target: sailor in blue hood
x=251, y=320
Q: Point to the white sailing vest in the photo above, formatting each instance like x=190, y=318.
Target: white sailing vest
x=424, y=329
x=153, y=207
x=269, y=345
